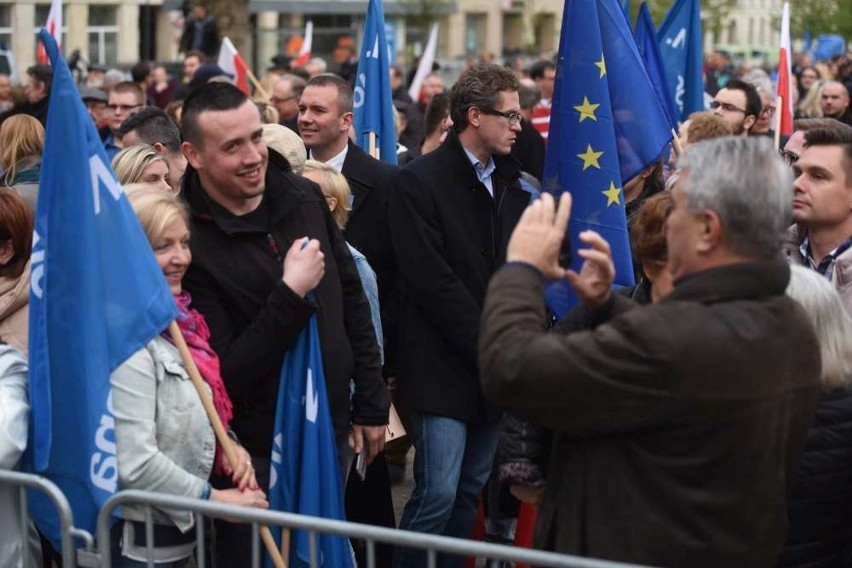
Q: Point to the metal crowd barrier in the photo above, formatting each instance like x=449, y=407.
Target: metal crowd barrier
x=24, y=481
x=371, y=535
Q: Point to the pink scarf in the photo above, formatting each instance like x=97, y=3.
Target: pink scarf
x=197, y=335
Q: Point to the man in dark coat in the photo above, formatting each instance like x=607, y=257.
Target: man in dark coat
x=325, y=115
x=200, y=33
x=262, y=238
x=451, y=214
x=37, y=89
x=680, y=425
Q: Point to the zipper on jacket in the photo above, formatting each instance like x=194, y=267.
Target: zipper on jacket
x=273, y=245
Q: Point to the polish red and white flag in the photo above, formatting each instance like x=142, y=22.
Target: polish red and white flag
x=785, y=77
x=53, y=27
x=307, y=44
x=233, y=64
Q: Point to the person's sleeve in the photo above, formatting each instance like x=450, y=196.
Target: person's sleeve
x=141, y=464
x=371, y=400
x=14, y=406
x=420, y=250
x=255, y=353
x=584, y=383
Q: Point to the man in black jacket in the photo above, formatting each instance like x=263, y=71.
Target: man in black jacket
x=200, y=33
x=325, y=115
x=451, y=213
x=251, y=272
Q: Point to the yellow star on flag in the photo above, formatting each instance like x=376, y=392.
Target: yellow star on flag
x=587, y=110
x=612, y=194
x=602, y=66
x=590, y=158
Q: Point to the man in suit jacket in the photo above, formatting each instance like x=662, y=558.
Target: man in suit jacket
x=451, y=213
x=325, y=116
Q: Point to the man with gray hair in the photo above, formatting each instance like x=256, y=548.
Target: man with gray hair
x=679, y=425
x=153, y=126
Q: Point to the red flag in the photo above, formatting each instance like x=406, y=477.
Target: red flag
x=53, y=27
x=305, y=51
x=785, y=77
x=233, y=64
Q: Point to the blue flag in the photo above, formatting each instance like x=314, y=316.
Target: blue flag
x=646, y=41
x=97, y=295
x=679, y=38
x=606, y=126
x=305, y=475
x=372, y=99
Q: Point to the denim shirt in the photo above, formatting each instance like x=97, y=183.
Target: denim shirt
x=164, y=441
x=371, y=290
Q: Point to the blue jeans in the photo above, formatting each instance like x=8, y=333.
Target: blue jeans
x=452, y=462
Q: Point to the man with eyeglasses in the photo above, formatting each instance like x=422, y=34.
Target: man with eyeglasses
x=451, y=213
x=124, y=99
x=739, y=104
x=285, y=98
x=821, y=237
x=795, y=145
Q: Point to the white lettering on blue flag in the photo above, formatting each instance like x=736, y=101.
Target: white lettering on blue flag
x=679, y=39
x=312, y=400
x=103, y=469
x=277, y=447
x=37, y=266
x=358, y=95
x=102, y=174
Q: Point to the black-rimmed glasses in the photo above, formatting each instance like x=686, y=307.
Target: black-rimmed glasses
x=513, y=117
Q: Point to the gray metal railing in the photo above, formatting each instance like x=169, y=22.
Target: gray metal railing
x=69, y=533
x=431, y=544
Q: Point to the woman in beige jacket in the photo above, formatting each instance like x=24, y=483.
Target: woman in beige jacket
x=16, y=230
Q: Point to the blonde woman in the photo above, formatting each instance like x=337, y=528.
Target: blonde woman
x=21, y=147
x=811, y=105
x=164, y=440
x=142, y=164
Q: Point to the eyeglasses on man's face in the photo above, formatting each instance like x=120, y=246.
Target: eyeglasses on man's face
x=276, y=100
x=768, y=110
x=727, y=107
x=122, y=108
x=789, y=157
x=513, y=117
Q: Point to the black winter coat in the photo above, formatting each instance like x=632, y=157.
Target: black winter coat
x=367, y=230
x=820, y=508
x=449, y=236
x=235, y=282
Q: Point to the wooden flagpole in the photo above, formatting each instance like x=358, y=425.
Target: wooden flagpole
x=222, y=436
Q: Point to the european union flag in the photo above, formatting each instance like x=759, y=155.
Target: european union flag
x=372, y=98
x=606, y=126
x=305, y=475
x=646, y=41
x=681, y=46
x=97, y=295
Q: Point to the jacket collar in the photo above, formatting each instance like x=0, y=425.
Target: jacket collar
x=734, y=281
x=281, y=196
x=452, y=153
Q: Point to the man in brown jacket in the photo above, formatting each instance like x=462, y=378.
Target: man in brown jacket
x=680, y=424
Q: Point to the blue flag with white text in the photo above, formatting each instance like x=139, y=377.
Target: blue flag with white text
x=305, y=475
x=646, y=41
x=606, y=125
x=97, y=295
x=372, y=100
x=681, y=46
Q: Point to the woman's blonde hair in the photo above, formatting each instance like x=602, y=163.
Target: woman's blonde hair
x=832, y=324
x=155, y=209
x=811, y=105
x=132, y=161
x=333, y=184
x=21, y=136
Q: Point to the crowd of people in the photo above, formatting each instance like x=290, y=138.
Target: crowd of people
x=699, y=418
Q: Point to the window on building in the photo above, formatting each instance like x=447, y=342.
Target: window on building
x=103, y=34
x=474, y=33
x=5, y=26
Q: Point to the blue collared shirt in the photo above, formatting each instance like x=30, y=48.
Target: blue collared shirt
x=483, y=172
